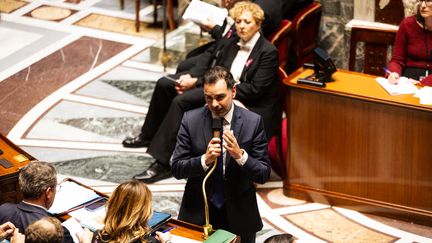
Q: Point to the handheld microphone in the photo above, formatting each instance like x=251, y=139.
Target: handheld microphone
x=216, y=126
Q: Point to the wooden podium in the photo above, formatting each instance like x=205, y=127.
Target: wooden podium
x=351, y=144
x=12, y=159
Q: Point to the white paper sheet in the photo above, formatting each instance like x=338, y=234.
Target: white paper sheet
x=425, y=95
x=199, y=11
x=93, y=220
x=70, y=194
x=404, y=86
x=74, y=228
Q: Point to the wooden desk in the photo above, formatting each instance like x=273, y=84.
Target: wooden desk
x=16, y=158
x=187, y=230
x=351, y=144
x=190, y=231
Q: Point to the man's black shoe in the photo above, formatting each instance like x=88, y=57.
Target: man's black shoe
x=136, y=142
x=155, y=172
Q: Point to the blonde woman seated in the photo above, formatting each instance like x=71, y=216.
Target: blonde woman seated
x=129, y=209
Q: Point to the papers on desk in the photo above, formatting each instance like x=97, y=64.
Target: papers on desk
x=93, y=220
x=74, y=228
x=425, y=95
x=199, y=11
x=404, y=86
x=71, y=195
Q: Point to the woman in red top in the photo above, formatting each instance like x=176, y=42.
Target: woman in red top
x=412, y=54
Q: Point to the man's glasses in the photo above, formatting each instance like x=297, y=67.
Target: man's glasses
x=428, y=3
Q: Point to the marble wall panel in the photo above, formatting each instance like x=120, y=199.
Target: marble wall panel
x=336, y=14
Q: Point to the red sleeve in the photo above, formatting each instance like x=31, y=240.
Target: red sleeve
x=397, y=62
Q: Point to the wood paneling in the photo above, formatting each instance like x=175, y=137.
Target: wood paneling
x=370, y=149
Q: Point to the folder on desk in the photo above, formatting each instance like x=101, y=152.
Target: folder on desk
x=157, y=220
x=221, y=236
x=72, y=195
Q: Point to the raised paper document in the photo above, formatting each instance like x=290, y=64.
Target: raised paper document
x=199, y=11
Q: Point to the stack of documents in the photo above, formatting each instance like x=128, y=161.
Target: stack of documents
x=404, y=86
x=425, y=95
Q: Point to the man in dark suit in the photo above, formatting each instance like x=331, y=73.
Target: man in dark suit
x=38, y=183
x=256, y=89
x=243, y=160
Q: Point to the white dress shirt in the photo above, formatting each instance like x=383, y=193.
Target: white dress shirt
x=227, y=126
x=242, y=56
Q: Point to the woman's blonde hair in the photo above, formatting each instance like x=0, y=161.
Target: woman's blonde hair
x=253, y=8
x=128, y=211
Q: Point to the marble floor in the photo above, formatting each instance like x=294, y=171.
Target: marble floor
x=76, y=78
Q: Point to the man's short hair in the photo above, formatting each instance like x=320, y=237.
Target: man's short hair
x=281, y=238
x=44, y=230
x=35, y=178
x=217, y=73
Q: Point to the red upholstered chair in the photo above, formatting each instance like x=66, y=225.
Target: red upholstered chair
x=305, y=34
x=376, y=48
x=281, y=38
x=278, y=143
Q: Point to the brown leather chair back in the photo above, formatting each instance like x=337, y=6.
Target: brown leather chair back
x=376, y=48
x=281, y=38
x=306, y=28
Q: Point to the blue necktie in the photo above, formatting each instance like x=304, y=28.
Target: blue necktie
x=218, y=197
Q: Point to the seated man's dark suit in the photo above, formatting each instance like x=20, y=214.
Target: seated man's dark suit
x=257, y=90
x=239, y=189
x=23, y=214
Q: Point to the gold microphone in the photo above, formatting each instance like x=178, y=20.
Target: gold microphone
x=208, y=228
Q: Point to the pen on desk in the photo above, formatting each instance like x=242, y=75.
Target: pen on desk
x=169, y=229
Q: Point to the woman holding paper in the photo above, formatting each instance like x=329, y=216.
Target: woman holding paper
x=129, y=210
x=412, y=54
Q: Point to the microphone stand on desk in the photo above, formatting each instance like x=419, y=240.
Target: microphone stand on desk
x=208, y=228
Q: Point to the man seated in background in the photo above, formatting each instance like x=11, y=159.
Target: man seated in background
x=268, y=24
x=251, y=59
x=38, y=182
